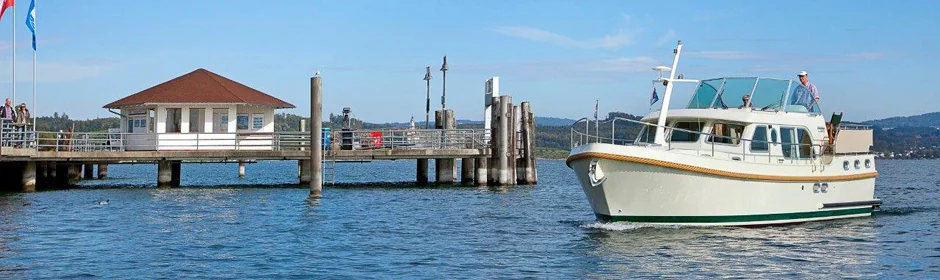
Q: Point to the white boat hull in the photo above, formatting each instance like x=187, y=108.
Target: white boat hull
x=692, y=190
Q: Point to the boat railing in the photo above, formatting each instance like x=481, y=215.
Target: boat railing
x=820, y=152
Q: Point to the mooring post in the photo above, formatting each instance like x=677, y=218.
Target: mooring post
x=528, y=132
x=493, y=162
x=29, y=176
x=241, y=169
x=505, y=106
x=316, y=146
x=444, y=168
x=422, y=172
x=102, y=170
x=514, y=145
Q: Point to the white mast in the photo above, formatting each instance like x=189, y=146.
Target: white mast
x=660, y=129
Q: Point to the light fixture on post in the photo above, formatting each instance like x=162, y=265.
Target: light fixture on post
x=444, y=87
x=427, y=106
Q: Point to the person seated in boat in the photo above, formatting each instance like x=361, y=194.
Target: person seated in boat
x=805, y=93
x=746, y=102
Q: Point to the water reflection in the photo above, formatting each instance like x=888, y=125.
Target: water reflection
x=846, y=248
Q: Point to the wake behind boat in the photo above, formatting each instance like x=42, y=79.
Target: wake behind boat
x=745, y=151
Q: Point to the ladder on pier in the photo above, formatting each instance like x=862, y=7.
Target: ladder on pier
x=329, y=169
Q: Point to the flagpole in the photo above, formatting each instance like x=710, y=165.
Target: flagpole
x=14, y=51
x=35, y=29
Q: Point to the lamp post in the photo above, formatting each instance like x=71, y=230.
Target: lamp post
x=427, y=107
x=444, y=88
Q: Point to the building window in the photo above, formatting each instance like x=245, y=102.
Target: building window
x=759, y=139
x=130, y=126
x=241, y=121
x=726, y=133
x=257, y=121
x=173, y=119
x=197, y=119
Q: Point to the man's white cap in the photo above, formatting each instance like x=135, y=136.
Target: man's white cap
x=802, y=73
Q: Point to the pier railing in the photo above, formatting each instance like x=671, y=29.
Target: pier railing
x=586, y=131
x=396, y=139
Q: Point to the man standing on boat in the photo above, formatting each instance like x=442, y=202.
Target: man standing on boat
x=805, y=94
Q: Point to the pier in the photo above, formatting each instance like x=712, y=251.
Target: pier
x=500, y=153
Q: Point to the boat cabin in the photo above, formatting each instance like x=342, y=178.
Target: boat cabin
x=200, y=110
x=755, y=120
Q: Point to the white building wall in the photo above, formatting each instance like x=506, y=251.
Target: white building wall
x=184, y=119
x=161, y=119
x=209, y=122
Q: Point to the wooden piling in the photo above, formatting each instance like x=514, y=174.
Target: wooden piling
x=316, y=147
x=492, y=163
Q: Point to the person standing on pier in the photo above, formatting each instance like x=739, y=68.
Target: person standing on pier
x=7, y=113
x=22, y=121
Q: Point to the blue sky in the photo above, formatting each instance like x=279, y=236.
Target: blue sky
x=870, y=59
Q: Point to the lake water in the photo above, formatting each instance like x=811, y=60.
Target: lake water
x=219, y=226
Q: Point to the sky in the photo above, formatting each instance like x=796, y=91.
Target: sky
x=869, y=59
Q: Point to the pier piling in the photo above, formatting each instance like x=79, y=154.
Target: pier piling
x=445, y=168
x=304, y=171
x=102, y=170
x=241, y=169
x=29, y=176
x=316, y=147
x=88, y=171
x=75, y=172
x=466, y=170
x=480, y=165
x=528, y=141
x=503, y=153
x=422, y=172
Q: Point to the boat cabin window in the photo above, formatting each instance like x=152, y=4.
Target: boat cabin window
x=685, y=136
x=759, y=139
x=796, y=142
x=647, y=134
x=726, y=133
x=766, y=94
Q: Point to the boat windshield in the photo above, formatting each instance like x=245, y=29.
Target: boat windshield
x=756, y=93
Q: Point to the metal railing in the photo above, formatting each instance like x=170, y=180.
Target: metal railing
x=737, y=150
x=395, y=139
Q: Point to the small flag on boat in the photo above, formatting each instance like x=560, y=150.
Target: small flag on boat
x=595, y=108
x=5, y=4
x=655, y=97
x=31, y=20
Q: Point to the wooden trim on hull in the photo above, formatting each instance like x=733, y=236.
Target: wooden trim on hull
x=720, y=173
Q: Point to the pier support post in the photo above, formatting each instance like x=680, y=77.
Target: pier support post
x=503, y=152
x=88, y=172
x=75, y=172
x=492, y=162
x=422, y=172
x=305, y=171
x=445, y=168
x=316, y=133
x=29, y=176
x=165, y=174
x=241, y=169
x=40, y=174
x=480, y=178
x=466, y=170
x=102, y=170
x=62, y=174
x=177, y=172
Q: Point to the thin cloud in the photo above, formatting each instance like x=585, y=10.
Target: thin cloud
x=744, y=55
x=57, y=71
x=666, y=38
x=610, y=41
x=725, y=55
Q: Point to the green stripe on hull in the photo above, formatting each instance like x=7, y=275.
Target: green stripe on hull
x=736, y=218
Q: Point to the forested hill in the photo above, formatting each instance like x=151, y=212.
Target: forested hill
x=923, y=120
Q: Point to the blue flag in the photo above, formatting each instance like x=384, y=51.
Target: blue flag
x=31, y=20
x=655, y=97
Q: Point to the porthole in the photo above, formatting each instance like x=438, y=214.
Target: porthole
x=845, y=165
x=824, y=187
x=867, y=163
x=816, y=188
x=858, y=164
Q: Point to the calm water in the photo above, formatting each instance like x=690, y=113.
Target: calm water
x=262, y=227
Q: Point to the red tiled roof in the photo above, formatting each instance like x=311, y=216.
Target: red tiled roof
x=200, y=86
